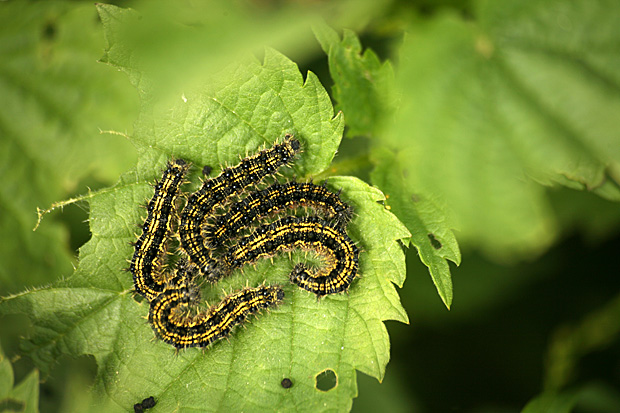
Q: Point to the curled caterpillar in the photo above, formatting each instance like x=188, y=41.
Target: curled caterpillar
x=202, y=203
x=272, y=199
x=306, y=233
x=148, y=249
x=175, y=322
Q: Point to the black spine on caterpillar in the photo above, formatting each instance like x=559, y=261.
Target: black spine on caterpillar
x=273, y=199
x=145, y=265
x=215, y=191
x=307, y=233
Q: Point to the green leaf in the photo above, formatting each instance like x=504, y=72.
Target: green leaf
x=574, y=212
x=431, y=234
x=248, y=106
x=198, y=39
x=596, y=396
x=551, y=403
x=25, y=396
x=596, y=331
x=362, y=87
x=94, y=312
x=55, y=101
x=362, y=84
x=527, y=94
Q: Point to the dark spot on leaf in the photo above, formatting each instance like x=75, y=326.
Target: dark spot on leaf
x=326, y=380
x=287, y=383
x=206, y=170
x=434, y=241
x=415, y=198
x=12, y=405
x=144, y=404
x=148, y=402
x=49, y=31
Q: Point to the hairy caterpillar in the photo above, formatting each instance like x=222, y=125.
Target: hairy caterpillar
x=272, y=199
x=145, y=265
x=174, y=320
x=307, y=233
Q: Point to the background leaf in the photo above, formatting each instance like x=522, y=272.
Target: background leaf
x=363, y=87
x=226, y=30
x=362, y=84
x=54, y=100
x=491, y=108
x=25, y=396
x=431, y=234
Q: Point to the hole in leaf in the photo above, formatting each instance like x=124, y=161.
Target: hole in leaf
x=138, y=298
x=326, y=380
x=287, y=383
x=434, y=241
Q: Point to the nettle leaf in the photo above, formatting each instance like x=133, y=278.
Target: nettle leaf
x=527, y=91
x=362, y=84
x=55, y=100
x=431, y=233
x=361, y=87
x=95, y=312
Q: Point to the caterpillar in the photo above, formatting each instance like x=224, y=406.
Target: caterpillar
x=150, y=246
x=213, y=192
x=272, y=199
x=307, y=233
x=172, y=317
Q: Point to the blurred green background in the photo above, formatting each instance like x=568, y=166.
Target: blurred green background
x=536, y=307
